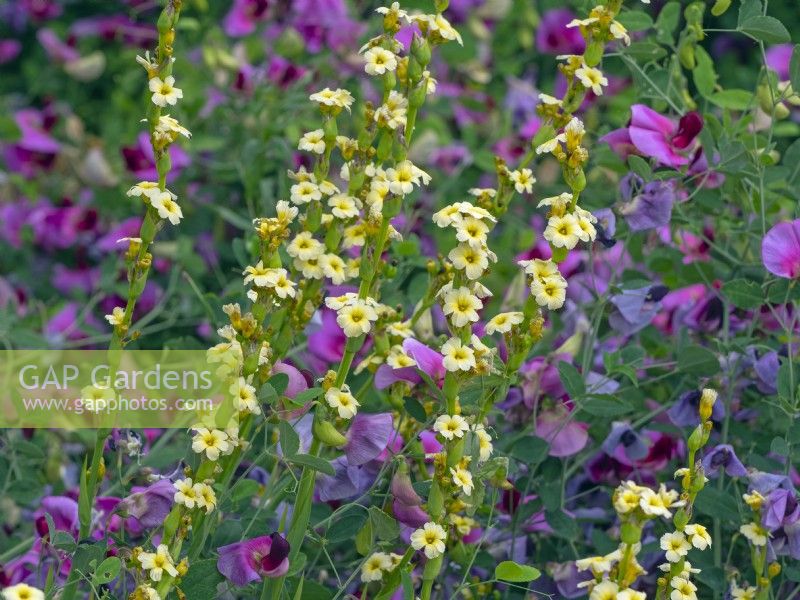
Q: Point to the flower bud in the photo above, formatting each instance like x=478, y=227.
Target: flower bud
x=594, y=53
x=720, y=7
x=696, y=439
x=681, y=519
x=630, y=533
x=420, y=50
x=707, y=399
x=774, y=570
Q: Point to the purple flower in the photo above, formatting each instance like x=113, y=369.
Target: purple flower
x=244, y=16
x=766, y=369
x=450, y=159
x=9, y=50
x=150, y=505
x=781, y=509
x=428, y=361
x=284, y=73
x=606, y=226
x=554, y=37
x=635, y=309
x=368, y=437
x=685, y=412
x=780, y=249
x=62, y=509
x=778, y=59
x=57, y=50
x=723, y=457
x=654, y=135
x=253, y=559
x=140, y=159
x=765, y=483
x=623, y=435
x=564, y=435
x=349, y=481
x=646, y=206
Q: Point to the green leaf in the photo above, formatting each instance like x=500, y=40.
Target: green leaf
x=244, y=489
x=343, y=528
x=766, y=29
x=794, y=69
x=279, y=381
x=307, y=395
x=605, y=405
x=635, y=20
x=530, y=450
x=748, y=10
x=9, y=132
x=415, y=409
x=571, y=379
x=384, y=526
x=779, y=446
x=667, y=22
x=714, y=503
x=704, y=75
x=641, y=167
x=697, y=360
x=107, y=571
x=732, y=99
x=743, y=293
x=289, y=440
x=202, y=579
x=508, y=570
x=313, y=462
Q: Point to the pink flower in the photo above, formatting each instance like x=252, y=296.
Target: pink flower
x=654, y=135
x=565, y=436
x=780, y=249
x=254, y=559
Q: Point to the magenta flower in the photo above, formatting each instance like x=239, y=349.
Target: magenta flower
x=368, y=437
x=253, y=559
x=150, y=505
x=244, y=16
x=565, y=436
x=654, y=135
x=778, y=59
x=554, y=37
x=780, y=249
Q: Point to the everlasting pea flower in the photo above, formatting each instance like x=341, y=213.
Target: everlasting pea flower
x=368, y=437
x=9, y=50
x=554, y=37
x=606, y=227
x=723, y=457
x=244, y=16
x=635, y=309
x=781, y=509
x=565, y=436
x=685, y=412
x=654, y=135
x=766, y=369
x=778, y=59
x=150, y=505
x=646, y=206
x=428, y=361
x=622, y=434
x=406, y=503
x=780, y=249
x=35, y=149
x=349, y=481
x=140, y=160
x=253, y=559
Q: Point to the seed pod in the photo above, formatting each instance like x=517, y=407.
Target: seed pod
x=326, y=433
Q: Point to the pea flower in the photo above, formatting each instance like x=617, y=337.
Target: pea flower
x=723, y=457
x=429, y=538
x=780, y=249
x=253, y=559
x=151, y=505
x=654, y=135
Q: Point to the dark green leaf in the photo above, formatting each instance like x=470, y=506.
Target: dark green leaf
x=290, y=441
x=605, y=405
x=732, y=99
x=415, y=409
x=697, y=360
x=794, y=69
x=715, y=503
x=385, y=527
x=766, y=29
x=743, y=293
x=202, y=579
x=635, y=20
x=530, y=450
x=107, y=571
x=571, y=379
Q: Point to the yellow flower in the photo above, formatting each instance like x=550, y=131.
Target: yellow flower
x=22, y=591
x=343, y=206
x=305, y=247
x=213, y=442
x=682, y=589
x=473, y=261
x=484, y=443
x=472, y=231
x=117, y=316
x=676, y=545
x=755, y=534
x=338, y=98
x=144, y=188
x=457, y=356
x=333, y=267
x=592, y=79
x=503, y=322
x=449, y=215
x=313, y=141
x=343, y=401
x=652, y=504
x=430, y=538
x=158, y=562
x=551, y=293
x=379, y=61
x=540, y=269
x=462, y=479
x=461, y=306
x=206, y=498
x=164, y=92
x=375, y=565
x=398, y=359
x=523, y=180
x=356, y=319
x=185, y=493
x=244, y=397
x=605, y=590
x=304, y=192
x=698, y=535
x=450, y=426
x=562, y=231
x=167, y=207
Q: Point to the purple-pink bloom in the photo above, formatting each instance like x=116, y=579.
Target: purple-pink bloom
x=150, y=505
x=565, y=436
x=654, y=135
x=780, y=249
x=723, y=457
x=646, y=206
x=253, y=559
x=244, y=16
x=623, y=435
x=554, y=37
x=367, y=437
x=778, y=59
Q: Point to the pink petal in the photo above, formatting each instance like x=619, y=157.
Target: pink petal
x=780, y=249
